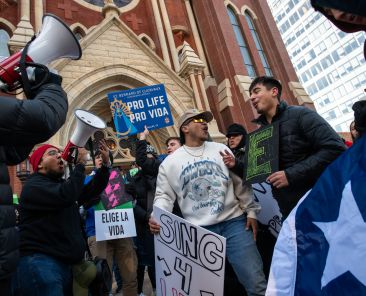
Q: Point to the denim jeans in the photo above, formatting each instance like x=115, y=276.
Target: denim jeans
x=39, y=275
x=242, y=253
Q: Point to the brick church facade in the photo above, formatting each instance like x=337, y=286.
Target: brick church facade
x=204, y=52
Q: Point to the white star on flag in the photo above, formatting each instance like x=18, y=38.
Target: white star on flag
x=347, y=242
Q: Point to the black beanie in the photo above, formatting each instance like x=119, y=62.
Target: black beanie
x=360, y=115
x=236, y=129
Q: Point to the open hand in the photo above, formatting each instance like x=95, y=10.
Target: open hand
x=104, y=150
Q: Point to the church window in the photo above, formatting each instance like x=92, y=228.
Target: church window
x=241, y=42
x=4, y=39
x=258, y=45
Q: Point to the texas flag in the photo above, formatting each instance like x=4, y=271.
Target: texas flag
x=321, y=249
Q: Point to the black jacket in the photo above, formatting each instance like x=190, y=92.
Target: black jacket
x=150, y=170
x=49, y=213
x=239, y=153
x=23, y=123
x=307, y=145
x=143, y=184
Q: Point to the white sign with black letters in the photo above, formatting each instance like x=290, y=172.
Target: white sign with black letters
x=270, y=214
x=113, y=224
x=189, y=259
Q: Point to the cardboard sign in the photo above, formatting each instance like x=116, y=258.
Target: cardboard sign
x=270, y=214
x=261, y=156
x=134, y=108
x=116, y=223
x=114, y=194
x=189, y=259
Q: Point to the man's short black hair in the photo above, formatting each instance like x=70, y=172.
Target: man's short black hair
x=268, y=82
x=171, y=139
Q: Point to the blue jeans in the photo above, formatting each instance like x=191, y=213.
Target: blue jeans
x=242, y=253
x=39, y=275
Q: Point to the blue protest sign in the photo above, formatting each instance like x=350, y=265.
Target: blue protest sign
x=132, y=109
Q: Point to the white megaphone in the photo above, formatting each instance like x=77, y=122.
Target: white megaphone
x=87, y=123
x=54, y=41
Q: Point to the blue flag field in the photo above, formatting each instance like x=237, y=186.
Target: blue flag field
x=321, y=249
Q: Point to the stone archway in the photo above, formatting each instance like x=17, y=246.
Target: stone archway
x=90, y=91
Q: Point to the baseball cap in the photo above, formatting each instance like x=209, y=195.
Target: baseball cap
x=191, y=113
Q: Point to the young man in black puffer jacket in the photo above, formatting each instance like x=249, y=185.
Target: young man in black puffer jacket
x=23, y=123
x=307, y=143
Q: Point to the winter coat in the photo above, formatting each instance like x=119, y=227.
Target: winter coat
x=23, y=123
x=50, y=222
x=307, y=145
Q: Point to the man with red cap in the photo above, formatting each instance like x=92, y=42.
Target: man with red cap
x=23, y=124
x=51, y=238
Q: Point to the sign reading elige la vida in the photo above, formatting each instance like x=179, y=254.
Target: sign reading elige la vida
x=132, y=109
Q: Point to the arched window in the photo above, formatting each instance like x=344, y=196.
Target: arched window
x=258, y=45
x=4, y=39
x=241, y=42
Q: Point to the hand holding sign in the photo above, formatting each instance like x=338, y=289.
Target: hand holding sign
x=154, y=226
x=144, y=134
x=278, y=179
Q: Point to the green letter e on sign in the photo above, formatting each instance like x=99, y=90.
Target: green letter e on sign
x=262, y=154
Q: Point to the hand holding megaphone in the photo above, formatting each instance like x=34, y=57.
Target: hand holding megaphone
x=54, y=41
x=87, y=123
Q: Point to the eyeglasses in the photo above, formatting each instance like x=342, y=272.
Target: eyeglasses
x=199, y=120
x=53, y=152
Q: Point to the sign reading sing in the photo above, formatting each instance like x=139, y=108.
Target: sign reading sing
x=189, y=259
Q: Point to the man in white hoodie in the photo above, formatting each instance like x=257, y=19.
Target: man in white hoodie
x=209, y=195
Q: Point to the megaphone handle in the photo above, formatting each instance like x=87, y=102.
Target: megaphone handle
x=22, y=65
x=90, y=145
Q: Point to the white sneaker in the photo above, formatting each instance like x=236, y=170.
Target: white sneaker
x=141, y=294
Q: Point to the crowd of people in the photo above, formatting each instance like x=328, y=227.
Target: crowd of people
x=48, y=245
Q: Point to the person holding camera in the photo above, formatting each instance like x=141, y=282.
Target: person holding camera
x=51, y=239
x=23, y=124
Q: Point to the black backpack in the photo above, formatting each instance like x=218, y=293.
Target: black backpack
x=102, y=284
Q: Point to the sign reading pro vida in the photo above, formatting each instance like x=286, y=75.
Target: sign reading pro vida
x=261, y=155
x=132, y=109
x=189, y=259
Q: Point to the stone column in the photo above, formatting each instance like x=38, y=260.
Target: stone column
x=25, y=9
x=168, y=29
x=161, y=35
x=38, y=14
x=24, y=31
x=196, y=93
x=203, y=91
x=196, y=37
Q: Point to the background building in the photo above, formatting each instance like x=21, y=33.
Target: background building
x=329, y=63
x=204, y=52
